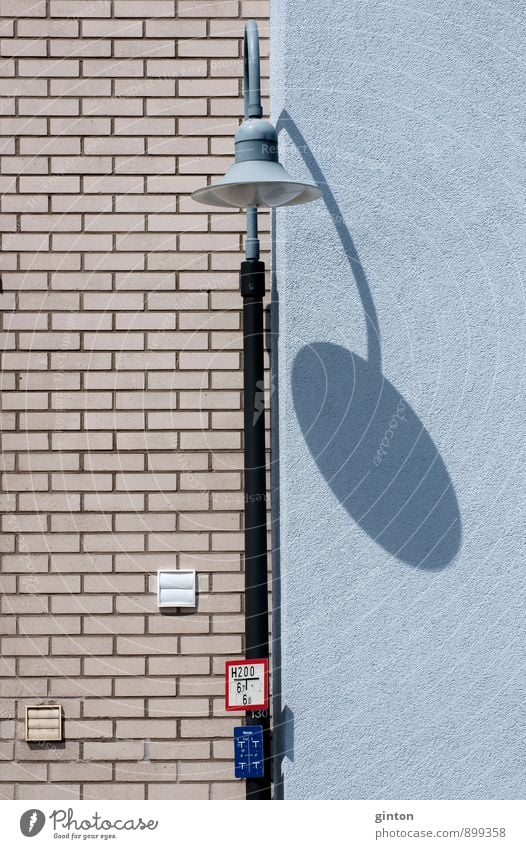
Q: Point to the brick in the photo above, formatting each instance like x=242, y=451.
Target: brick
x=111, y=106
x=205, y=771
x=80, y=772
x=178, y=542
x=183, y=625
x=81, y=482
x=25, y=604
x=24, y=8
x=146, y=645
x=207, y=728
x=112, y=28
x=208, y=126
x=209, y=522
x=115, y=666
x=110, y=542
x=47, y=28
x=142, y=728
x=123, y=750
x=227, y=47
x=226, y=790
x=21, y=688
x=111, y=146
x=177, y=461
x=202, y=686
x=146, y=771
x=77, y=47
x=81, y=645
x=130, y=462
x=49, y=791
x=208, y=360
x=114, y=420
x=48, y=222
x=112, y=707
x=142, y=126
x=89, y=729
x=179, y=707
x=115, y=68
x=88, y=562
x=115, y=584
x=178, y=791
x=113, y=223
x=177, y=421
x=24, y=772
x=209, y=88
x=82, y=203
x=113, y=261
x=179, y=145
x=43, y=106
x=52, y=666
x=114, y=501
x=211, y=645
x=87, y=604
x=209, y=439
x=25, y=165
x=50, y=501
x=145, y=87
x=130, y=603
x=210, y=400
x=144, y=687
x=176, y=107
x=214, y=9
x=55, y=584
x=228, y=583
x=125, y=380
x=154, y=9
x=49, y=625
x=178, y=501
x=21, y=646
x=48, y=68
x=254, y=8
x=115, y=791
x=146, y=242
x=175, y=28
x=147, y=522
x=176, y=68
x=70, y=9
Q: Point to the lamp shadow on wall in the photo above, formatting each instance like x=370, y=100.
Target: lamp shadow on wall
x=367, y=441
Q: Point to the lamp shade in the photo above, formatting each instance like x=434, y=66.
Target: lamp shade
x=256, y=178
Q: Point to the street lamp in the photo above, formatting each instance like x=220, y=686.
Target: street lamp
x=255, y=179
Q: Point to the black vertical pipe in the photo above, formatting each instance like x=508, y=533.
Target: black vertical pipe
x=256, y=580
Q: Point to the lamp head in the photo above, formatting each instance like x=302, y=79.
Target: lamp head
x=256, y=178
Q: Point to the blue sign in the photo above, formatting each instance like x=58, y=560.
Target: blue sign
x=248, y=751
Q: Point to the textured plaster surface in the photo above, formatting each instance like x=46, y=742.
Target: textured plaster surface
x=402, y=642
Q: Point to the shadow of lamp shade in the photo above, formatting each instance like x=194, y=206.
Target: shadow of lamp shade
x=376, y=455
x=368, y=443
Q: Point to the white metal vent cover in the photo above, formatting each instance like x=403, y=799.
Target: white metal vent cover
x=176, y=588
x=43, y=722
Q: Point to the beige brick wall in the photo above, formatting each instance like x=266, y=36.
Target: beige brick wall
x=121, y=402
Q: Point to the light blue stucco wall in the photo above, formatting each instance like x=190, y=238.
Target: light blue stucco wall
x=399, y=303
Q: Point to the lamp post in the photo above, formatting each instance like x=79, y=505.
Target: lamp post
x=255, y=179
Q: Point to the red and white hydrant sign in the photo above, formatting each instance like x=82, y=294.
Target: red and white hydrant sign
x=246, y=684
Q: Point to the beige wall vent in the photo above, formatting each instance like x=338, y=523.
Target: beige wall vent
x=43, y=722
